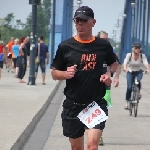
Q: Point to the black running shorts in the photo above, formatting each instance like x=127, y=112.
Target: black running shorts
x=72, y=126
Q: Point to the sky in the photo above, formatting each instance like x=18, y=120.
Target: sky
x=107, y=12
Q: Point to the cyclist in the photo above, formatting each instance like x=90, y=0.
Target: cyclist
x=134, y=62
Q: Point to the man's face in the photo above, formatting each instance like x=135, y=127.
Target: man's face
x=104, y=36
x=84, y=27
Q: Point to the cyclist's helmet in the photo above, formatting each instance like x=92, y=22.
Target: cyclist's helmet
x=136, y=44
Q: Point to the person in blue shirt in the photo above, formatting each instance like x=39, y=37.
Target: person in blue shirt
x=15, y=49
x=42, y=53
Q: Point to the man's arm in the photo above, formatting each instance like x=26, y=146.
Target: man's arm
x=106, y=78
x=47, y=57
x=116, y=78
x=63, y=75
x=118, y=71
x=58, y=75
x=113, y=68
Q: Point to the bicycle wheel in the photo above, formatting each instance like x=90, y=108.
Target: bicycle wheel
x=131, y=104
x=136, y=101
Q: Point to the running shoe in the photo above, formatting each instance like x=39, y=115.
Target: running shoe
x=101, y=141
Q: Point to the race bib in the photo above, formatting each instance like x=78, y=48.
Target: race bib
x=92, y=115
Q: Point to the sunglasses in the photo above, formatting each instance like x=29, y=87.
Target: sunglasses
x=137, y=47
x=77, y=20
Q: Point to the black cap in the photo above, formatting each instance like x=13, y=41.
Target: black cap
x=136, y=44
x=84, y=12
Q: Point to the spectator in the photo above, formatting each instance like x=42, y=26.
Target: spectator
x=10, y=55
x=42, y=52
x=15, y=49
x=1, y=56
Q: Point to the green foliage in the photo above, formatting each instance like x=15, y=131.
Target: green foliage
x=8, y=29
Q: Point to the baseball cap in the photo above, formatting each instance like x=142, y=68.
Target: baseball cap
x=84, y=12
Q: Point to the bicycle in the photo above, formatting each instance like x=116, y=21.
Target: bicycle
x=134, y=100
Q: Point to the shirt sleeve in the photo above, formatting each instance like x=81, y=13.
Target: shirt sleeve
x=110, y=58
x=144, y=59
x=59, y=60
x=126, y=60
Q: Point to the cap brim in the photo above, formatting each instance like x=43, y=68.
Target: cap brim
x=82, y=16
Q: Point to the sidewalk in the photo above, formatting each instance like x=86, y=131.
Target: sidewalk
x=21, y=106
x=122, y=132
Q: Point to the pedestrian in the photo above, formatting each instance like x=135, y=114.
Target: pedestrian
x=21, y=67
x=23, y=49
x=15, y=49
x=79, y=61
x=43, y=57
x=2, y=46
x=21, y=63
x=10, y=55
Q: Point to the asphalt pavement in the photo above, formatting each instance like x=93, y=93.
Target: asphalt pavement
x=21, y=107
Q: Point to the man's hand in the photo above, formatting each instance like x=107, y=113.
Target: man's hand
x=106, y=79
x=71, y=71
x=116, y=82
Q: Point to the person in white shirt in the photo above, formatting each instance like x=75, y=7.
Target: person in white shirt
x=134, y=62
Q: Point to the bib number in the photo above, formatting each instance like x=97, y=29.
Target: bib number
x=92, y=115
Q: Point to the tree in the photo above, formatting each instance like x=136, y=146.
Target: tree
x=8, y=29
x=43, y=20
x=9, y=19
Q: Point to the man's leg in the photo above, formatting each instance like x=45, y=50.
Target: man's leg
x=36, y=70
x=43, y=69
x=72, y=126
x=43, y=78
x=93, y=136
x=77, y=144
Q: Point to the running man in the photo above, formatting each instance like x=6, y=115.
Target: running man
x=107, y=97
x=79, y=61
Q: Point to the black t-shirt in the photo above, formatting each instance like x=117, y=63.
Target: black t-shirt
x=85, y=86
